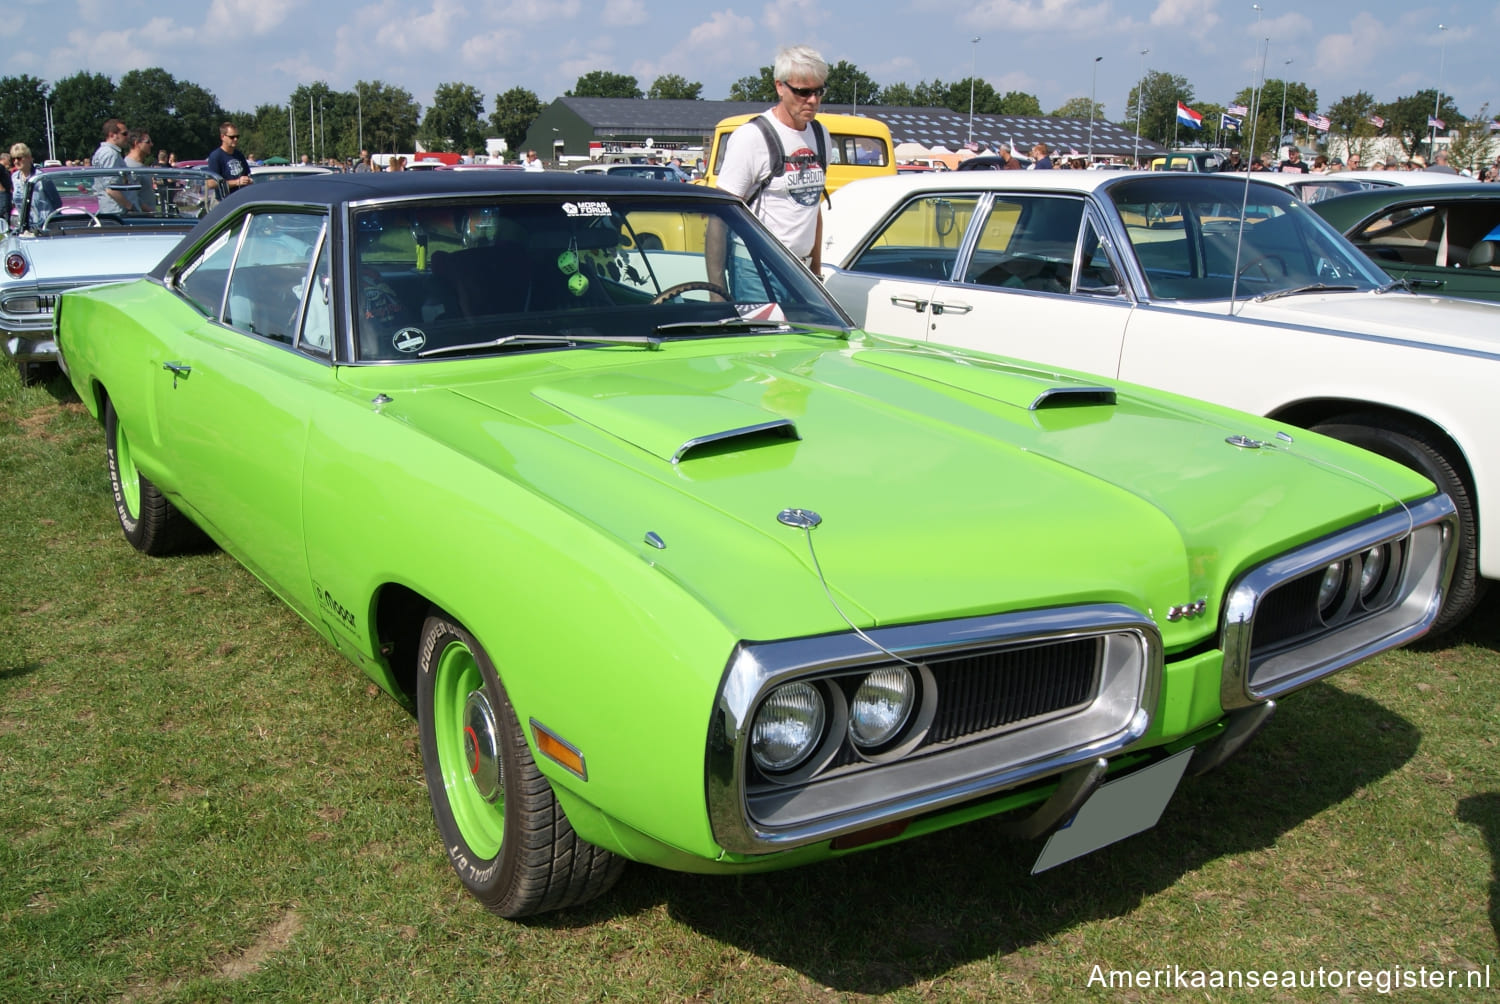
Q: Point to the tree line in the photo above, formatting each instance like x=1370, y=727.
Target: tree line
x=183, y=117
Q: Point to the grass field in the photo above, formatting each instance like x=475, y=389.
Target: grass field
x=200, y=801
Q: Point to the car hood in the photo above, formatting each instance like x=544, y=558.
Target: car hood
x=944, y=488
x=1471, y=325
x=103, y=255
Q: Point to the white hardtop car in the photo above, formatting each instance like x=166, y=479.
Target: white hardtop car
x=1153, y=278
x=1312, y=187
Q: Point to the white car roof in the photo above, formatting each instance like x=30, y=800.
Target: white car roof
x=1375, y=179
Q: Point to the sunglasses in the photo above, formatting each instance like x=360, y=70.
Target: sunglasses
x=231, y=135
x=807, y=92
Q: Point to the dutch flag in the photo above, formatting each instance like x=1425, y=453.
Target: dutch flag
x=1186, y=116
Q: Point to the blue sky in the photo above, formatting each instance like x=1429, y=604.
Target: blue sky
x=251, y=52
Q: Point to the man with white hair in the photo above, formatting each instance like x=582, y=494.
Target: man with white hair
x=777, y=162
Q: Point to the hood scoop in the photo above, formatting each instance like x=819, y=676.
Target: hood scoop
x=1020, y=384
x=667, y=420
x=1063, y=397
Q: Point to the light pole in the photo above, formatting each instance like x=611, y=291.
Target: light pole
x=1281, y=136
x=973, y=62
x=359, y=108
x=1093, y=88
x=1140, y=99
x=1437, y=101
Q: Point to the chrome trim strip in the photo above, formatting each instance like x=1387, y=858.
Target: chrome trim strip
x=1431, y=525
x=748, y=430
x=1120, y=714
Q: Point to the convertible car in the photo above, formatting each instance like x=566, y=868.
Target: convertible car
x=1154, y=279
x=80, y=226
x=693, y=573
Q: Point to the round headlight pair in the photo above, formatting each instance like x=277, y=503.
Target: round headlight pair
x=1373, y=566
x=790, y=723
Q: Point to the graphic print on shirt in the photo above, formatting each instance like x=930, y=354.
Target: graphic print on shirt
x=804, y=177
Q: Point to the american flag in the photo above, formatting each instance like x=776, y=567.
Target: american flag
x=1376, y=121
x=1435, y=123
x=1238, y=110
x=1299, y=115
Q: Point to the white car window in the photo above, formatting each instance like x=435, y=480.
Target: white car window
x=270, y=273
x=922, y=240
x=1027, y=242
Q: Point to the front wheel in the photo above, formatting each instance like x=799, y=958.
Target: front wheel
x=500, y=823
x=1411, y=447
x=152, y=524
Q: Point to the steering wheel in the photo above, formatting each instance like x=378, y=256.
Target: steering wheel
x=688, y=287
x=47, y=220
x=1260, y=262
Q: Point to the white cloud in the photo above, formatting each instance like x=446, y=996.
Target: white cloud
x=1041, y=15
x=538, y=11
x=229, y=20
x=720, y=33
x=1346, y=55
x=623, y=13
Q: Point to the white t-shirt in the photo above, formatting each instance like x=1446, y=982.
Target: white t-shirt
x=789, y=204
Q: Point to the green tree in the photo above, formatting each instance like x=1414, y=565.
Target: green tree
x=181, y=116
x=268, y=130
x=1350, y=125
x=1156, y=97
x=848, y=85
x=390, y=117
x=604, y=84
x=761, y=87
x=453, y=121
x=1406, y=118
x=1473, y=144
x=514, y=112
x=1265, y=120
x=1079, y=108
x=899, y=95
x=933, y=95
x=23, y=113
x=670, y=86
x=1016, y=103
x=80, y=106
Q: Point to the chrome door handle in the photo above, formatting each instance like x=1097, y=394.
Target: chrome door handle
x=909, y=301
x=950, y=308
x=178, y=370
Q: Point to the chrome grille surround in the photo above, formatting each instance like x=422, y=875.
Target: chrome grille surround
x=1012, y=745
x=1273, y=644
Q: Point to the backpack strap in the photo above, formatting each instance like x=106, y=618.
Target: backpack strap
x=778, y=158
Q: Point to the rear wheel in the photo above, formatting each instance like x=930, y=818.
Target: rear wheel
x=1412, y=447
x=151, y=523
x=500, y=823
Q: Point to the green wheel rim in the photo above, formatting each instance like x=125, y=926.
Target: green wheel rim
x=130, y=478
x=457, y=688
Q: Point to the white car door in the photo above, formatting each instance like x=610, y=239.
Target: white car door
x=1030, y=278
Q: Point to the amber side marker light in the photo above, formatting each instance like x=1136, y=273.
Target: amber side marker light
x=885, y=831
x=554, y=748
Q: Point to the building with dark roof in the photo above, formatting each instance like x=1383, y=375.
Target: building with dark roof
x=569, y=125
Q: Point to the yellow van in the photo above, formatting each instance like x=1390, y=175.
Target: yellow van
x=861, y=148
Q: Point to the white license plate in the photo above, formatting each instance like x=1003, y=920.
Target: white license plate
x=1119, y=809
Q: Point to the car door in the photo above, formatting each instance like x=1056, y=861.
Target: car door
x=889, y=286
x=1032, y=277
x=240, y=386
x=1438, y=243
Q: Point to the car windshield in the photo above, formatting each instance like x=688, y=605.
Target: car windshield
x=440, y=278
x=1188, y=240
x=75, y=200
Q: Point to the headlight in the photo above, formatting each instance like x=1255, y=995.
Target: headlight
x=1331, y=588
x=1372, y=570
x=787, y=727
x=881, y=706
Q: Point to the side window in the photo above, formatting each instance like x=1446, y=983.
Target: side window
x=317, y=321
x=1028, y=243
x=202, y=280
x=922, y=240
x=1096, y=273
x=270, y=273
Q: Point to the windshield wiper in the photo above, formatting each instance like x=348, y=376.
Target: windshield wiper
x=1316, y=287
x=724, y=324
x=1410, y=285
x=650, y=341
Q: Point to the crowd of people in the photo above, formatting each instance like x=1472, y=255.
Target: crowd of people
x=1323, y=164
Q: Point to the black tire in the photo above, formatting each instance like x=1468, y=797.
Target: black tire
x=501, y=826
x=1413, y=447
x=152, y=524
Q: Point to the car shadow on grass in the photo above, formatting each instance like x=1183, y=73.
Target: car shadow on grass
x=893, y=917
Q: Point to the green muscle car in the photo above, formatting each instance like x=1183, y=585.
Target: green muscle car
x=674, y=565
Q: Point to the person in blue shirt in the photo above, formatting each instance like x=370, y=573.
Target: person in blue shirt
x=227, y=162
